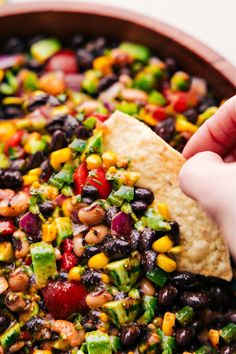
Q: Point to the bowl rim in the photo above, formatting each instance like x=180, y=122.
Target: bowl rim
x=187, y=41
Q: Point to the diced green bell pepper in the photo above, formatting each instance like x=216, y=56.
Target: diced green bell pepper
x=228, y=333
x=127, y=107
x=205, y=349
x=156, y=97
x=89, y=123
x=98, y=342
x=10, y=336
x=136, y=51
x=94, y=144
x=125, y=193
x=65, y=175
x=185, y=315
x=150, y=307
x=44, y=49
x=168, y=343
x=91, y=81
x=78, y=145
x=158, y=276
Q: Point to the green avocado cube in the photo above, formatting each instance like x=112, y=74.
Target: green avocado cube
x=64, y=228
x=9, y=337
x=122, y=311
x=44, y=262
x=137, y=51
x=98, y=342
x=44, y=49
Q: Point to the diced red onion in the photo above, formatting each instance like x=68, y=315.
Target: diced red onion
x=7, y=61
x=30, y=223
x=121, y=224
x=73, y=81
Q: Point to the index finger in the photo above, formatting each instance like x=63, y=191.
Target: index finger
x=218, y=134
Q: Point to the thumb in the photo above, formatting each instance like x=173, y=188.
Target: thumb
x=201, y=178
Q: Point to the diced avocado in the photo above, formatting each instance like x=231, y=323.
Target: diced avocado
x=149, y=306
x=91, y=81
x=137, y=51
x=44, y=262
x=125, y=272
x=44, y=49
x=6, y=252
x=64, y=228
x=125, y=193
x=155, y=221
x=115, y=344
x=4, y=162
x=10, y=335
x=127, y=107
x=28, y=313
x=98, y=342
x=122, y=311
x=228, y=333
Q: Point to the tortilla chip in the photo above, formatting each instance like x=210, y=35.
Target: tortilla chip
x=158, y=164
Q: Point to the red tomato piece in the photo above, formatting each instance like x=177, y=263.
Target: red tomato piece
x=64, y=60
x=67, y=245
x=62, y=299
x=159, y=113
x=6, y=227
x=80, y=177
x=100, y=116
x=180, y=103
x=68, y=261
x=97, y=178
x=14, y=140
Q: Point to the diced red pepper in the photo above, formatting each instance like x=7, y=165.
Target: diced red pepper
x=80, y=177
x=67, y=245
x=97, y=178
x=159, y=113
x=180, y=102
x=26, y=189
x=14, y=140
x=101, y=117
x=64, y=60
x=68, y=260
x=6, y=227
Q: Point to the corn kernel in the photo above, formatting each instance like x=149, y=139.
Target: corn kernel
x=105, y=279
x=49, y=232
x=158, y=322
x=93, y=161
x=102, y=64
x=98, y=261
x=175, y=250
x=109, y=159
x=214, y=337
x=60, y=156
x=103, y=317
x=1, y=74
x=75, y=273
x=168, y=324
x=7, y=129
x=164, y=210
x=63, y=109
x=67, y=207
x=166, y=263
x=42, y=351
x=162, y=245
x=35, y=172
x=185, y=126
x=28, y=180
x=13, y=100
x=130, y=178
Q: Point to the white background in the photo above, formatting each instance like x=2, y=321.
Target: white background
x=211, y=21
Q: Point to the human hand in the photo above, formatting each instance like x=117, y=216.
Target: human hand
x=209, y=176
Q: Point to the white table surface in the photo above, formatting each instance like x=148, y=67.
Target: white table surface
x=211, y=21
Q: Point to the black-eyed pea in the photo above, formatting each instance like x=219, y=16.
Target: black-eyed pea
x=96, y=234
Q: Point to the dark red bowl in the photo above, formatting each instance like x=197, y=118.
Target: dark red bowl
x=65, y=18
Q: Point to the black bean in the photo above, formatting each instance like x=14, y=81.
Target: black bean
x=12, y=111
x=58, y=141
x=56, y=124
x=144, y=194
x=148, y=236
x=231, y=316
x=197, y=325
x=91, y=278
x=84, y=59
x=35, y=324
x=228, y=349
x=90, y=191
x=116, y=248
x=174, y=231
x=165, y=129
x=46, y=170
x=171, y=65
x=220, y=297
x=46, y=208
x=76, y=41
x=34, y=39
x=4, y=322
x=90, y=251
x=12, y=179
x=70, y=125
x=134, y=239
x=167, y=294
x=54, y=101
x=34, y=65
x=111, y=212
x=130, y=334
x=197, y=300
x=35, y=160
x=14, y=45
x=82, y=133
x=183, y=279
x=206, y=103
x=37, y=101
x=191, y=114
x=87, y=200
x=184, y=336
x=106, y=82
x=63, y=276
x=97, y=46
x=139, y=206
x=148, y=260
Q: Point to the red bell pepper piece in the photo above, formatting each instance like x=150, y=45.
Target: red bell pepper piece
x=68, y=260
x=64, y=60
x=67, y=245
x=100, y=116
x=80, y=177
x=97, y=178
x=180, y=102
x=14, y=140
x=159, y=113
x=6, y=227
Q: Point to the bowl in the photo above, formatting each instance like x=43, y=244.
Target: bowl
x=65, y=18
